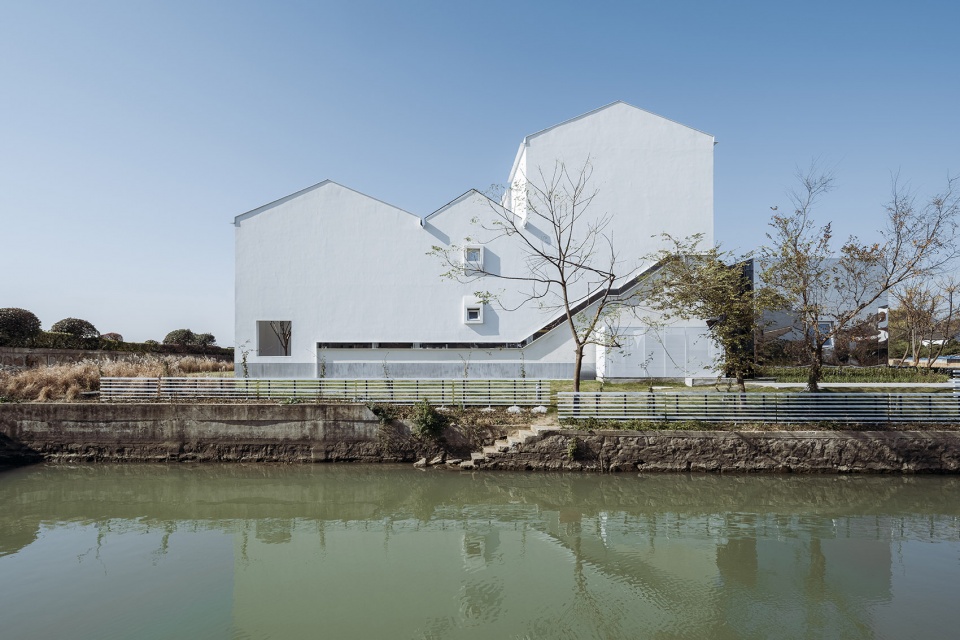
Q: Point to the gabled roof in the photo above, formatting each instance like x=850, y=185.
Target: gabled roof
x=249, y=214
x=526, y=139
x=458, y=200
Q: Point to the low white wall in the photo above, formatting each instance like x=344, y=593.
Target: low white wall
x=672, y=352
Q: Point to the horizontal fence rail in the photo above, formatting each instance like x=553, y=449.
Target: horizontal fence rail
x=763, y=407
x=394, y=391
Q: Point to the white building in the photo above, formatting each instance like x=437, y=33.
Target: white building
x=349, y=277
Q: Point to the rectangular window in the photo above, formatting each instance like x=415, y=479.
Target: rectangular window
x=273, y=337
x=824, y=328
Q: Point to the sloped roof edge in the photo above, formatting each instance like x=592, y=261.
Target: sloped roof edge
x=457, y=201
x=526, y=139
x=249, y=214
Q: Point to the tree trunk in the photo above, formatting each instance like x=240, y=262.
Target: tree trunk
x=576, y=368
x=816, y=369
x=740, y=383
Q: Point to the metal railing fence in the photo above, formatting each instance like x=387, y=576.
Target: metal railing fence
x=396, y=391
x=763, y=407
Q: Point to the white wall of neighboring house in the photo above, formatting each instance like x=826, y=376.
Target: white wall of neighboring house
x=353, y=276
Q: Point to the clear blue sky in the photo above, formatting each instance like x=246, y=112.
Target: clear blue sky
x=131, y=133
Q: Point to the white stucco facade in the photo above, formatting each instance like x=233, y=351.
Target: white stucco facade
x=353, y=278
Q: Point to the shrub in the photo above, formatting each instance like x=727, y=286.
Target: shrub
x=18, y=327
x=427, y=421
x=181, y=337
x=112, y=337
x=76, y=327
x=384, y=412
x=56, y=340
x=187, y=338
x=205, y=340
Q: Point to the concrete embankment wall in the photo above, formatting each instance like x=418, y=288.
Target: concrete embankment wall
x=738, y=452
x=352, y=433
x=205, y=432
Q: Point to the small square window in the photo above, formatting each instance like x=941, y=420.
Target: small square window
x=473, y=257
x=473, y=314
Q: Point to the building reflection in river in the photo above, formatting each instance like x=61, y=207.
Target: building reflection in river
x=384, y=552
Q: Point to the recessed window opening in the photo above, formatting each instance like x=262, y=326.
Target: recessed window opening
x=473, y=257
x=473, y=314
x=274, y=337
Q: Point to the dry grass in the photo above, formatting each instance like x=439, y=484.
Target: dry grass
x=70, y=381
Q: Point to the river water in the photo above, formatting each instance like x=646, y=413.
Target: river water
x=329, y=551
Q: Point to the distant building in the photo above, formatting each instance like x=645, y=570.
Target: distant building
x=865, y=337
x=334, y=283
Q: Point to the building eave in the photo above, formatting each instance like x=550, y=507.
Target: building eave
x=253, y=212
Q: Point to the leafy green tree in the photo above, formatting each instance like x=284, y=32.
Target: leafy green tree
x=18, y=327
x=76, y=327
x=711, y=284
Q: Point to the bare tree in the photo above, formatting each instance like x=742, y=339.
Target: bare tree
x=829, y=288
x=925, y=317
x=569, y=266
x=283, y=329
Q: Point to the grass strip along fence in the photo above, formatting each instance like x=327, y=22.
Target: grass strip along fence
x=762, y=407
x=857, y=374
x=394, y=391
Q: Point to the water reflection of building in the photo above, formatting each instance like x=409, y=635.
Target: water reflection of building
x=396, y=560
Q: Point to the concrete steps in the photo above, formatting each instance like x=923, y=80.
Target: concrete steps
x=506, y=446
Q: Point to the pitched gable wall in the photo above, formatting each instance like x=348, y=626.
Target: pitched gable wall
x=652, y=175
x=346, y=268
